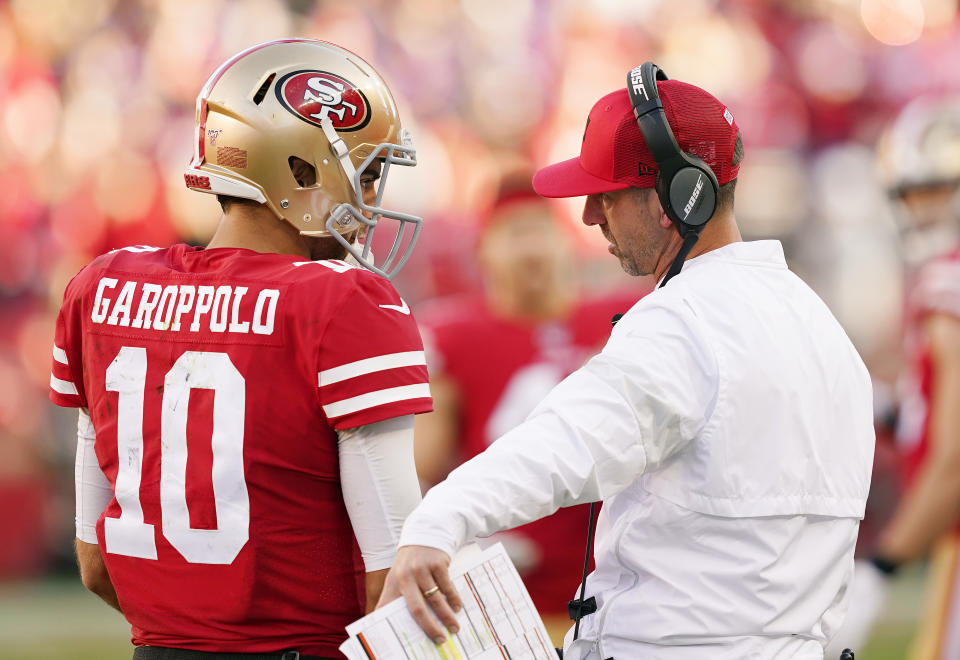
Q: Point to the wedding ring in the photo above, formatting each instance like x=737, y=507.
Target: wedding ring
x=432, y=590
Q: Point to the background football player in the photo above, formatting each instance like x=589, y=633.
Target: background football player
x=246, y=410
x=920, y=160
x=494, y=357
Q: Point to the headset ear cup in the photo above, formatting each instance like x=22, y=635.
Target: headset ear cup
x=663, y=192
x=693, y=196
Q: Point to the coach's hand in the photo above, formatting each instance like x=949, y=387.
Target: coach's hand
x=422, y=576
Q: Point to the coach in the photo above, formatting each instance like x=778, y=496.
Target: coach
x=726, y=425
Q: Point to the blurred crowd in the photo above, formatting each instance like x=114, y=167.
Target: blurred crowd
x=97, y=123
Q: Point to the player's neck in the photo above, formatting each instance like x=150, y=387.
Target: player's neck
x=257, y=229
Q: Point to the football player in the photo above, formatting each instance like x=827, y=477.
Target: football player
x=245, y=438
x=494, y=357
x=920, y=158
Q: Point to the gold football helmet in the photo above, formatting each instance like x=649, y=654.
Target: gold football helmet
x=919, y=162
x=921, y=147
x=312, y=100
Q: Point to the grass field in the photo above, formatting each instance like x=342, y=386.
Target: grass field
x=59, y=620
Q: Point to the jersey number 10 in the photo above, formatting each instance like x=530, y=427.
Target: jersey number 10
x=129, y=534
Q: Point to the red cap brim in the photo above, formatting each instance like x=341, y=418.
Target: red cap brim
x=569, y=179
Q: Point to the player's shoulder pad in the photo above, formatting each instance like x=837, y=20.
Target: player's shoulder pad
x=937, y=286
x=326, y=268
x=119, y=256
x=345, y=274
x=353, y=282
x=122, y=253
x=135, y=249
x=942, y=270
x=98, y=264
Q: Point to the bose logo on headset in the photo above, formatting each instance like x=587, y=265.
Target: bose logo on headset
x=636, y=81
x=693, y=197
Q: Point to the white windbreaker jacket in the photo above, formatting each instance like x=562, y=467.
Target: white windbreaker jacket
x=727, y=427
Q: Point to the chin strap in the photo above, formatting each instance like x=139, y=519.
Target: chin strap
x=338, y=147
x=689, y=240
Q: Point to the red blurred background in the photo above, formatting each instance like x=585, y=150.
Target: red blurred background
x=96, y=124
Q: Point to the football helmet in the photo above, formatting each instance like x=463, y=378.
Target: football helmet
x=918, y=159
x=312, y=100
x=921, y=147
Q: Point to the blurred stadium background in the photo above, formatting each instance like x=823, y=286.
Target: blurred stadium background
x=96, y=123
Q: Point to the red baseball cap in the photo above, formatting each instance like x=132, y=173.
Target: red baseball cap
x=614, y=156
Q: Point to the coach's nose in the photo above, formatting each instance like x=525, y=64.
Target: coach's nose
x=593, y=211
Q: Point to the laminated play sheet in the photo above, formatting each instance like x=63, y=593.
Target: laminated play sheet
x=498, y=620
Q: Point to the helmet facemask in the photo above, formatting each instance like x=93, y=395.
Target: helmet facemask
x=927, y=219
x=918, y=159
x=345, y=217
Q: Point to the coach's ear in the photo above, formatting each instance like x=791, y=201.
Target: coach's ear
x=93, y=573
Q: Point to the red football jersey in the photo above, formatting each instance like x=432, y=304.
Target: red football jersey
x=215, y=380
x=935, y=290
x=503, y=369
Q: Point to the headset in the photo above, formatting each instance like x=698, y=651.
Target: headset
x=686, y=185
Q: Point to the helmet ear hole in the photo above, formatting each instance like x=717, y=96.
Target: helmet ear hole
x=262, y=90
x=305, y=173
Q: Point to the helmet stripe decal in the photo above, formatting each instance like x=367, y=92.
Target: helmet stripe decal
x=199, y=155
x=222, y=69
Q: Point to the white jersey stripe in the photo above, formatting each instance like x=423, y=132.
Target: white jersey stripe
x=59, y=354
x=370, y=365
x=332, y=264
x=62, y=386
x=377, y=398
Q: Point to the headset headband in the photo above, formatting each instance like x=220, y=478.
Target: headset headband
x=652, y=120
x=686, y=185
x=682, y=180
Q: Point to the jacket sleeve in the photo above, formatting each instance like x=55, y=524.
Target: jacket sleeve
x=625, y=412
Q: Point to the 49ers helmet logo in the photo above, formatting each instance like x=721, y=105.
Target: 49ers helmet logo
x=315, y=95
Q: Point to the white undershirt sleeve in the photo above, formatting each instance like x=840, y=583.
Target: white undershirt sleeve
x=92, y=488
x=380, y=486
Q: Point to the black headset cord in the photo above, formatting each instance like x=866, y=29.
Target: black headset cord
x=578, y=608
x=689, y=240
